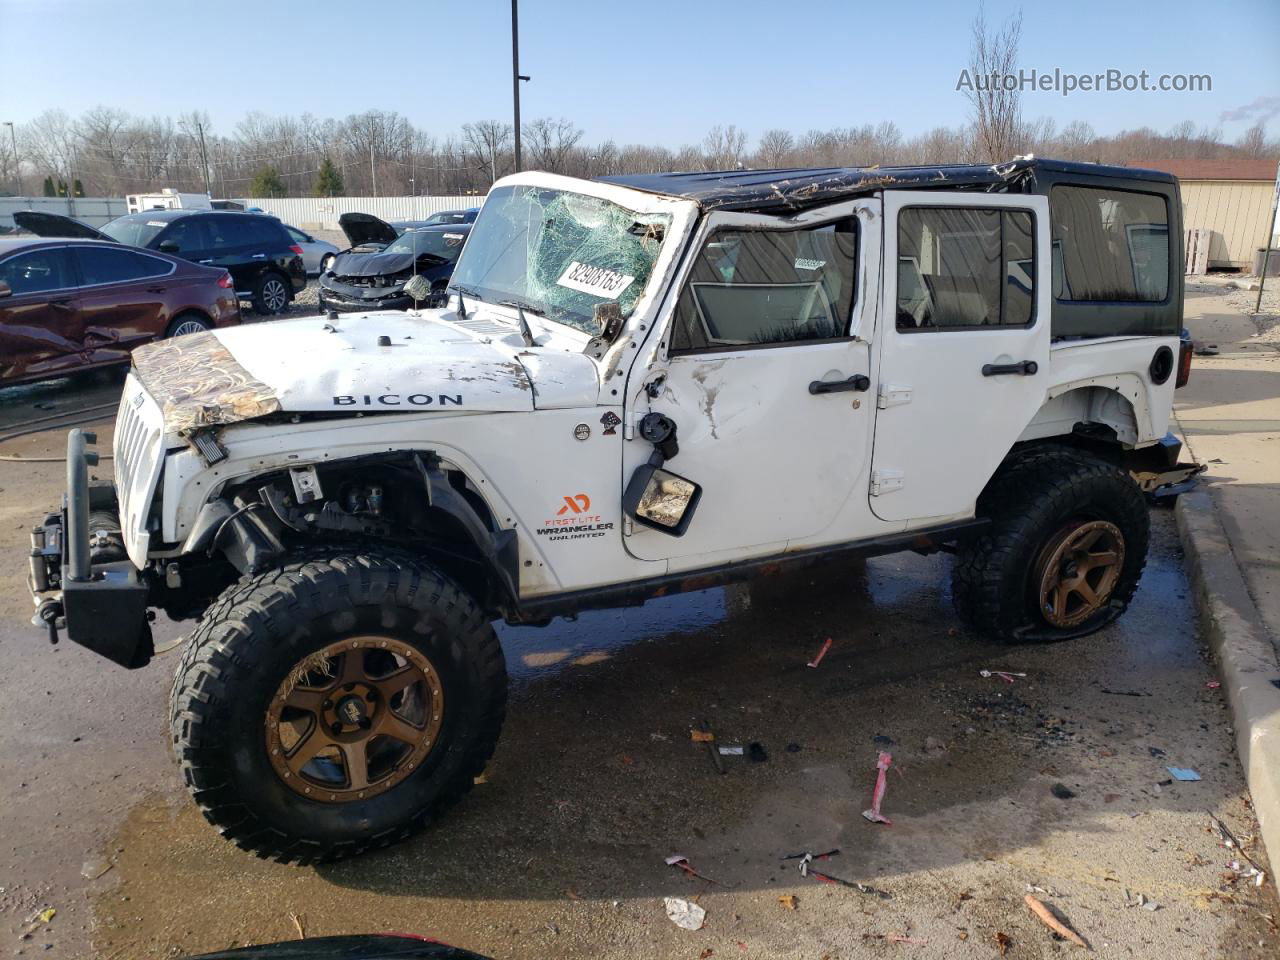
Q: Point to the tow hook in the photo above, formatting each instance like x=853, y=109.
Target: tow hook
x=47, y=615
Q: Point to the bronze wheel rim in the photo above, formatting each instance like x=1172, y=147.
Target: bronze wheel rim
x=354, y=719
x=1078, y=571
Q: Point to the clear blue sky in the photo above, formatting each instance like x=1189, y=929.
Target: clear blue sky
x=637, y=71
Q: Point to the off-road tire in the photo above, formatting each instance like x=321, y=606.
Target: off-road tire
x=993, y=581
x=259, y=629
x=270, y=300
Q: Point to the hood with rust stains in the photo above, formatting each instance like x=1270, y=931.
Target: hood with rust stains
x=359, y=363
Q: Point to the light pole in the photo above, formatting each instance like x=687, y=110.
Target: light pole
x=17, y=167
x=516, y=77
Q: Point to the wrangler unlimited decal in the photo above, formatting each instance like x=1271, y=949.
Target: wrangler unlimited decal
x=398, y=400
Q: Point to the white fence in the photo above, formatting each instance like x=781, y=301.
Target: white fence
x=92, y=210
x=307, y=213
x=321, y=213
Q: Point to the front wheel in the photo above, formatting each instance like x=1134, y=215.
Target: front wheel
x=336, y=704
x=1063, y=554
x=271, y=294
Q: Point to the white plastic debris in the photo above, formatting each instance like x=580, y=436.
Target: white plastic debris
x=684, y=914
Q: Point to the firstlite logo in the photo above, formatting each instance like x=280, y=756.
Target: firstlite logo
x=578, y=503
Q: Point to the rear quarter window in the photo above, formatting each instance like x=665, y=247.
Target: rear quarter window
x=1109, y=246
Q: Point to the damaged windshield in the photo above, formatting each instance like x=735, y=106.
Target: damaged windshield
x=560, y=253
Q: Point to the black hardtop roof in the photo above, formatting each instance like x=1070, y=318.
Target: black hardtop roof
x=174, y=213
x=799, y=188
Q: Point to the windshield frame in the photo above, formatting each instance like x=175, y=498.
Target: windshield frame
x=409, y=236
x=683, y=219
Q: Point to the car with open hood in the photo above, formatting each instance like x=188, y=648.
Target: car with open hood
x=375, y=272
x=264, y=262
x=637, y=386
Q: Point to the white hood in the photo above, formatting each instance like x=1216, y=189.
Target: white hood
x=387, y=362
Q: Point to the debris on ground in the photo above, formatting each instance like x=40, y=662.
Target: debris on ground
x=807, y=869
x=934, y=745
x=755, y=753
x=684, y=914
x=297, y=925
x=93, y=869
x=1005, y=675
x=681, y=862
x=731, y=750
x=821, y=653
x=1052, y=922
x=877, y=794
x=1062, y=791
x=793, y=748
x=1003, y=942
x=788, y=901
x=1232, y=842
x=903, y=938
x=1214, y=684
x=1183, y=773
x=701, y=736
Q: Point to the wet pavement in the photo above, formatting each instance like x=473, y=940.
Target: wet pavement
x=559, y=851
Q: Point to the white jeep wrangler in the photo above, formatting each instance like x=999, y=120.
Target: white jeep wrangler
x=638, y=386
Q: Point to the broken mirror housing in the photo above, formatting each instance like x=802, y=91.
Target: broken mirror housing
x=660, y=499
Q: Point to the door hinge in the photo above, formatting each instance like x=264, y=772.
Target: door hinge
x=886, y=481
x=892, y=395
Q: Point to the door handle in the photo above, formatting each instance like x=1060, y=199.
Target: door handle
x=156, y=289
x=204, y=261
x=858, y=381
x=63, y=303
x=1025, y=368
x=259, y=256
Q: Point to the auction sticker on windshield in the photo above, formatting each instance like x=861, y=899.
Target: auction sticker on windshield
x=597, y=281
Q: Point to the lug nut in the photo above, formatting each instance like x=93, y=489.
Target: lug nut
x=335, y=729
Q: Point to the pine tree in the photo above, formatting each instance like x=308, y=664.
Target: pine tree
x=328, y=180
x=77, y=188
x=62, y=187
x=48, y=187
x=267, y=183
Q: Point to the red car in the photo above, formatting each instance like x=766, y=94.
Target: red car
x=68, y=305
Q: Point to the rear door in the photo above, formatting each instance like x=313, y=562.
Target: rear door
x=40, y=329
x=234, y=246
x=123, y=299
x=964, y=346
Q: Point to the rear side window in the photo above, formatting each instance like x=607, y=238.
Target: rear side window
x=109, y=265
x=1109, y=245
x=37, y=271
x=241, y=231
x=965, y=267
x=750, y=288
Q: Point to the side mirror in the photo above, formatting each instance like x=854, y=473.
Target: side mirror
x=5, y=289
x=168, y=246
x=661, y=499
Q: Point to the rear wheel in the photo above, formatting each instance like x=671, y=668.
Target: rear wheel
x=188, y=323
x=336, y=704
x=1064, y=552
x=271, y=294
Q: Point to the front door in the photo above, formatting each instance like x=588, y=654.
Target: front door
x=40, y=327
x=964, y=346
x=766, y=381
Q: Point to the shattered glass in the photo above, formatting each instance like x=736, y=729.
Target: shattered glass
x=560, y=254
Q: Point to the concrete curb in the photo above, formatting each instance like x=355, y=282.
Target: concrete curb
x=1245, y=652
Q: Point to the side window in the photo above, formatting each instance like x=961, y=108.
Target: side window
x=232, y=231
x=37, y=271
x=752, y=287
x=964, y=267
x=109, y=265
x=189, y=235
x=296, y=235
x=1109, y=245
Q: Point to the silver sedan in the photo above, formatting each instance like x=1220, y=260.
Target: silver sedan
x=316, y=254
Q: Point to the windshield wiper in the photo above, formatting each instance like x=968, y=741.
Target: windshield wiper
x=521, y=305
x=526, y=333
x=462, y=305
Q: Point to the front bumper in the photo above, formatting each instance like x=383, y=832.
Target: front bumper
x=101, y=606
x=338, y=294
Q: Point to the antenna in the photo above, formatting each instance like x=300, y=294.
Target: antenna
x=462, y=305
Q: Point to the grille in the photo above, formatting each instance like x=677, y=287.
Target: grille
x=139, y=444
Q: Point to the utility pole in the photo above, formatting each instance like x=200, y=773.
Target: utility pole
x=204, y=158
x=17, y=165
x=1266, y=254
x=373, y=173
x=516, y=77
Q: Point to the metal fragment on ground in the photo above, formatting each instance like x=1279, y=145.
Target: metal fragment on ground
x=877, y=794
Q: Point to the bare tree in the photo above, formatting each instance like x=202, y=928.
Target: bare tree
x=991, y=89
x=723, y=147
x=775, y=148
x=1254, y=141
x=549, y=143
x=486, y=141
